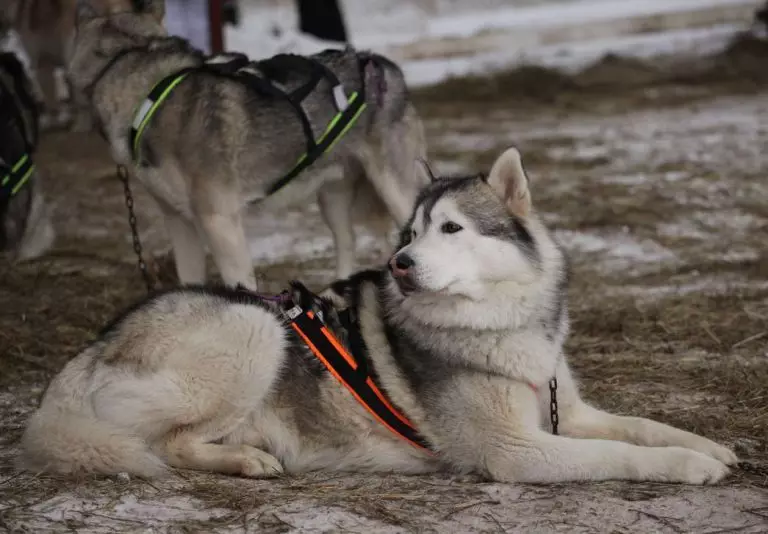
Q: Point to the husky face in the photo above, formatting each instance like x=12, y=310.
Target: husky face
x=100, y=36
x=475, y=255
x=467, y=234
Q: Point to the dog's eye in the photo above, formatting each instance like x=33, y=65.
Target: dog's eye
x=450, y=227
x=413, y=234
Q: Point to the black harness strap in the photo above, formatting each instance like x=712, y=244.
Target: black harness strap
x=351, y=369
x=15, y=174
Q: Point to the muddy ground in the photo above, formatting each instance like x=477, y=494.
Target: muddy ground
x=653, y=175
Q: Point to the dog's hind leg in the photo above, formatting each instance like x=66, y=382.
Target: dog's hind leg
x=189, y=451
x=580, y=420
x=390, y=164
x=188, y=250
x=335, y=199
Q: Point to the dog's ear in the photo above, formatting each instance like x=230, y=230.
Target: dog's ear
x=424, y=171
x=508, y=180
x=85, y=11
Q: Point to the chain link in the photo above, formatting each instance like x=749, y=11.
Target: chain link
x=122, y=174
x=553, y=417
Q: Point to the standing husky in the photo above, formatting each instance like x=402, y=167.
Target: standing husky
x=46, y=30
x=215, y=143
x=217, y=381
x=25, y=227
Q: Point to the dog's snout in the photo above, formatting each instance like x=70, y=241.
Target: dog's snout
x=400, y=263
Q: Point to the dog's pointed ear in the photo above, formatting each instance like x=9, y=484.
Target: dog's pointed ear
x=424, y=171
x=508, y=180
x=85, y=11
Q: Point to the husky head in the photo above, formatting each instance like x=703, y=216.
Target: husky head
x=25, y=228
x=474, y=251
x=102, y=33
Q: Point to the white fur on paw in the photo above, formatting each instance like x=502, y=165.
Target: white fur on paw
x=691, y=467
x=716, y=451
x=259, y=464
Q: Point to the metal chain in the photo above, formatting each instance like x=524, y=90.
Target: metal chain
x=553, y=404
x=122, y=174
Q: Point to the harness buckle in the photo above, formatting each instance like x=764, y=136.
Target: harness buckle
x=293, y=312
x=340, y=98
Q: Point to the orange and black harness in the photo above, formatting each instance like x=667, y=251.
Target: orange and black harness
x=352, y=370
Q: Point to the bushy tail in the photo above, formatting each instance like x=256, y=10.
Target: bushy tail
x=68, y=442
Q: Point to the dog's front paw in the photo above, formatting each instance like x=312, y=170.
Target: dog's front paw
x=691, y=467
x=712, y=449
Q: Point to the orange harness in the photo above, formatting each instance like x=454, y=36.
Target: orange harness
x=351, y=372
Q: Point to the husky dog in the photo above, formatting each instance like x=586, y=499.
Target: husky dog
x=46, y=29
x=215, y=380
x=216, y=144
x=25, y=226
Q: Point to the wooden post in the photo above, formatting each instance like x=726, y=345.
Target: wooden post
x=217, y=30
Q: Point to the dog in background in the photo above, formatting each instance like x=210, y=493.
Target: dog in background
x=25, y=227
x=46, y=30
x=216, y=144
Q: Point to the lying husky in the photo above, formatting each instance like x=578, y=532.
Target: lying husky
x=462, y=351
x=25, y=227
x=217, y=142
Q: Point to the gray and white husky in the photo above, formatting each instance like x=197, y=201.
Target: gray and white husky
x=215, y=145
x=463, y=330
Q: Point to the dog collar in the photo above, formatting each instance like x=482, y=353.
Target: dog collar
x=15, y=177
x=351, y=371
x=237, y=66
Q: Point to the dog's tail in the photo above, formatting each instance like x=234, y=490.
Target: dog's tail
x=67, y=442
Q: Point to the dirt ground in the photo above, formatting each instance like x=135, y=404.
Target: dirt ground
x=653, y=175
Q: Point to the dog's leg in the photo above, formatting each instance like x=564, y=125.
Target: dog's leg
x=393, y=189
x=83, y=121
x=580, y=420
x=188, y=250
x=222, y=225
x=501, y=427
x=390, y=164
x=335, y=199
x=46, y=76
x=187, y=451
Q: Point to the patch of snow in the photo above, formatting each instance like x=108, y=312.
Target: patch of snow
x=175, y=508
x=614, y=251
x=307, y=517
x=712, y=285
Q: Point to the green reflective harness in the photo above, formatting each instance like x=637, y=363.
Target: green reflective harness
x=238, y=67
x=15, y=177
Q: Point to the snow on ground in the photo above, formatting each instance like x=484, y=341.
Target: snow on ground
x=433, y=44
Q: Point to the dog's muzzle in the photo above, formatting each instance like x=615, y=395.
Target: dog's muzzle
x=400, y=265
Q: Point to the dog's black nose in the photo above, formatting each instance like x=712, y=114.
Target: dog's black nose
x=400, y=263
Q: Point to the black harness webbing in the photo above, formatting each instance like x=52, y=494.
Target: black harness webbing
x=15, y=174
x=353, y=372
x=262, y=77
